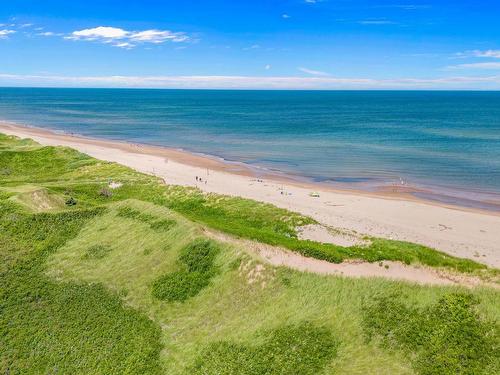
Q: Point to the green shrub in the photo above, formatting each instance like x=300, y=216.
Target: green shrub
x=448, y=337
x=199, y=256
x=196, y=264
x=164, y=224
x=71, y=202
x=180, y=285
x=294, y=349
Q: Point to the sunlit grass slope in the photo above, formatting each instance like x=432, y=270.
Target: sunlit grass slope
x=63, y=174
x=93, y=288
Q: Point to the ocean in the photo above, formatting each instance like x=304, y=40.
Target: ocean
x=446, y=144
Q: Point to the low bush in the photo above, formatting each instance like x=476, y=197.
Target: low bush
x=199, y=256
x=293, y=349
x=448, y=337
x=180, y=285
x=196, y=269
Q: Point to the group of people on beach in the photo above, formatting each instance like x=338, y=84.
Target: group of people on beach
x=199, y=179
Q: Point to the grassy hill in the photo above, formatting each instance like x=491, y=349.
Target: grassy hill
x=101, y=280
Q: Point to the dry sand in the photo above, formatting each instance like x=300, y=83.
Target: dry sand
x=278, y=257
x=466, y=233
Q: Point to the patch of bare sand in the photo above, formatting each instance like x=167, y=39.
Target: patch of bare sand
x=278, y=256
x=323, y=234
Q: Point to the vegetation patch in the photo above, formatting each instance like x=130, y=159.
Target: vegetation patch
x=63, y=328
x=448, y=337
x=97, y=252
x=153, y=222
x=275, y=226
x=297, y=349
x=196, y=269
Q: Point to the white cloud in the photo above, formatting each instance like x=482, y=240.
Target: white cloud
x=251, y=82
x=489, y=53
x=49, y=33
x=158, y=36
x=125, y=45
x=101, y=32
x=267, y=67
x=127, y=39
x=25, y=25
x=285, y=16
x=4, y=34
x=488, y=65
x=313, y=72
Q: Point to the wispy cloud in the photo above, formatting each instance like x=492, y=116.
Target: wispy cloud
x=251, y=82
x=4, y=34
x=49, y=33
x=285, y=16
x=127, y=39
x=376, y=22
x=488, y=53
x=313, y=72
x=485, y=65
x=406, y=6
x=253, y=46
x=267, y=67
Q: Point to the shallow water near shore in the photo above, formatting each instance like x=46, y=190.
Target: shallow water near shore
x=443, y=146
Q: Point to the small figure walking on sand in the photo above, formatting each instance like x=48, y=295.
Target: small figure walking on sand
x=196, y=178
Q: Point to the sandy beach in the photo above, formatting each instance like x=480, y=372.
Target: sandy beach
x=468, y=233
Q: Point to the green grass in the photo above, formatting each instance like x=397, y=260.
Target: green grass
x=247, y=305
x=64, y=328
x=64, y=174
x=154, y=223
x=78, y=285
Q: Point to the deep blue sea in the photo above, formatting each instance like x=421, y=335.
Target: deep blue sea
x=446, y=140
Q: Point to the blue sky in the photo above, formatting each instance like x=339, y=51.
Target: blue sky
x=313, y=44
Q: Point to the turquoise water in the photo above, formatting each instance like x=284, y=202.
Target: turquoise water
x=446, y=141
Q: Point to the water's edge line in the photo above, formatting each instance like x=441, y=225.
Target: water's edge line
x=202, y=160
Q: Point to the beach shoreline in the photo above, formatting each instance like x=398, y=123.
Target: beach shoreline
x=390, y=213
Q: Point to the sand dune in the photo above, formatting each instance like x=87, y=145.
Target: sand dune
x=462, y=232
